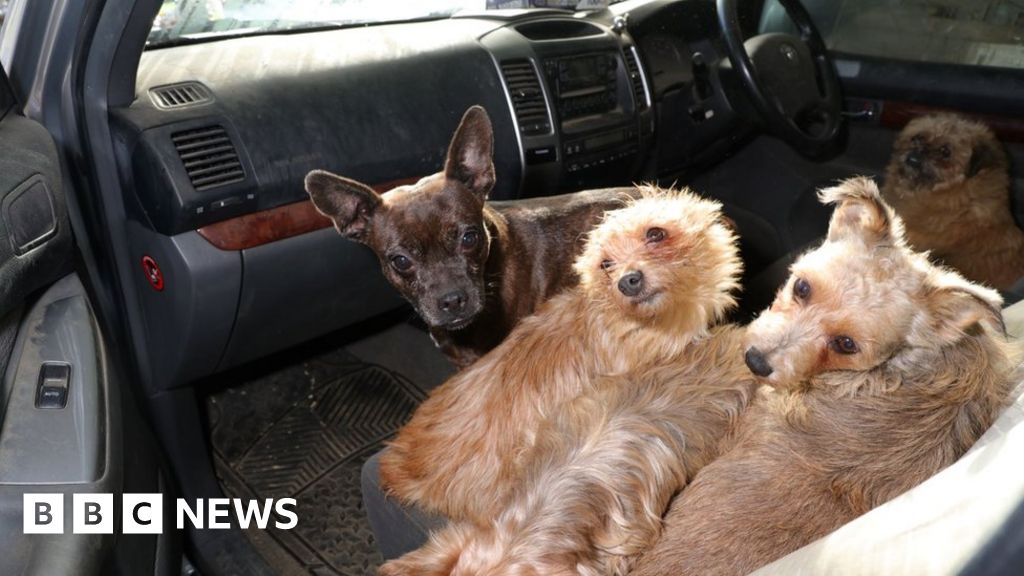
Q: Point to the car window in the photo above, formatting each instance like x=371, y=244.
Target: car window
x=196, y=20
x=974, y=32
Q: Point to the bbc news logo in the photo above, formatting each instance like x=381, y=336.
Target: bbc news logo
x=144, y=513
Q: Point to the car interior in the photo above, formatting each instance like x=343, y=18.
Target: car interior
x=203, y=331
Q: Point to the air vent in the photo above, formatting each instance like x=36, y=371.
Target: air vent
x=179, y=95
x=209, y=157
x=636, y=79
x=527, y=97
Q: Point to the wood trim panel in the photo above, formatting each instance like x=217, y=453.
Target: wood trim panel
x=896, y=115
x=266, y=226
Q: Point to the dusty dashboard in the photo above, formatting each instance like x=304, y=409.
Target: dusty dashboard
x=229, y=128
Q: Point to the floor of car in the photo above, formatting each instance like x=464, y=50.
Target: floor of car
x=301, y=425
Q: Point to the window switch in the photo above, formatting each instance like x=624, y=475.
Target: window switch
x=54, y=380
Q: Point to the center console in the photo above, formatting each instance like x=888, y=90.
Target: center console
x=580, y=100
x=594, y=118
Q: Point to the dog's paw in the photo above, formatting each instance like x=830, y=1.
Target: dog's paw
x=440, y=556
x=396, y=472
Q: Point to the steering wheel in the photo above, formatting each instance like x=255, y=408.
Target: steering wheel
x=790, y=80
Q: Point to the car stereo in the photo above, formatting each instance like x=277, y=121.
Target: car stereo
x=584, y=85
x=596, y=118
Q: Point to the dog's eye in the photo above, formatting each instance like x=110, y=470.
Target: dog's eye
x=945, y=151
x=469, y=239
x=401, y=263
x=655, y=235
x=844, y=345
x=606, y=264
x=802, y=289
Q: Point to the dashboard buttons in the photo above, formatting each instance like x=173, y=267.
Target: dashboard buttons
x=540, y=155
x=230, y=201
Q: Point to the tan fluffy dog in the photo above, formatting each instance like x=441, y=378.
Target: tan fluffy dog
x=882, y=370
x=653, y=277
x=948, y=180
x=603, y=470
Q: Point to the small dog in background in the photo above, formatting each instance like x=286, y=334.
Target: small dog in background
x=948, y=180
x=653, y=278
x=882, y=369
x=603, y=470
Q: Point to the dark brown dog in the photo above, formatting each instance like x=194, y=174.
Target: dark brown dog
x=471, y=268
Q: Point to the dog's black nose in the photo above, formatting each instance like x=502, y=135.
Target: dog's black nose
x=632, y=283
x=453, y=302
x=913, y=159
x=756, y=362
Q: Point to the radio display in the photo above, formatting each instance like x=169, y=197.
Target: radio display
x=583, y=72
x=584, y=85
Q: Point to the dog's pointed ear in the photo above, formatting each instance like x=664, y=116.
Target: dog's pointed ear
x=985, y=154
x=349, y=204
x=470, y=155
x=861, y=213
x=957, y=306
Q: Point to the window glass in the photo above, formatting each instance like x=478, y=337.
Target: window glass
x=195, y=20
x=976, y=32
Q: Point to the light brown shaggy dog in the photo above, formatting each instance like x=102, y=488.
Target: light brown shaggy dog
x=603, y=470
x=882, y=370
x=948, y=180
x=653, y=277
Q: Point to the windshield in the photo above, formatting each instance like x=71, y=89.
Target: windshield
x=194, y=20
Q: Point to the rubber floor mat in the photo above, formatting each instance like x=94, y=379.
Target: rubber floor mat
x=303, y=432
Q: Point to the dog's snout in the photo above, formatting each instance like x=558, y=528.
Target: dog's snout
x=453, y=302
x=632, y=283
x=756, y=362
x=913, y=159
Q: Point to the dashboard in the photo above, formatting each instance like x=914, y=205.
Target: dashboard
x=220, y=135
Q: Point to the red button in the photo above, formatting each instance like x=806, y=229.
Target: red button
x=153, y=273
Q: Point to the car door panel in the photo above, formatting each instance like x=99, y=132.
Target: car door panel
x=49, y=333
x=977, y=89
x=59, y=445
x=35, y=243
x=59, y=450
